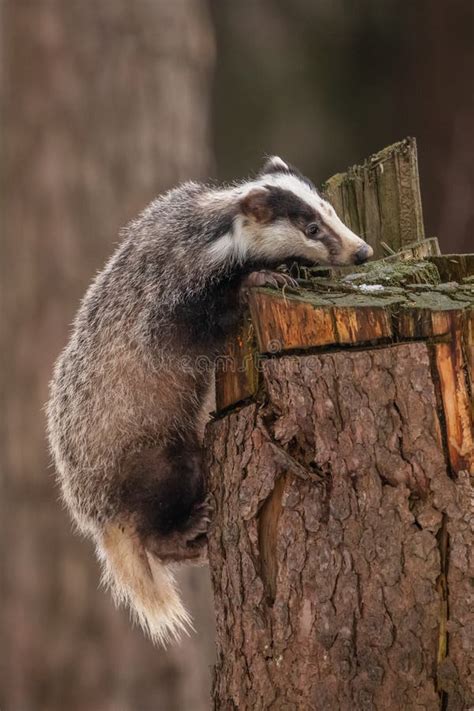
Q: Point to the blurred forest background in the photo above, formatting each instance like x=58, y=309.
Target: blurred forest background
x=104, y=104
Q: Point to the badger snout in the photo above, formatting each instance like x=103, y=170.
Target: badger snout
x=363, y=254
x=353, y=249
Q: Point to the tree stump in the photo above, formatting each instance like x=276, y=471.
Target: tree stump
x=340, y=461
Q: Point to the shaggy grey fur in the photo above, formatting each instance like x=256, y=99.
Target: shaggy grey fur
x=128, y=391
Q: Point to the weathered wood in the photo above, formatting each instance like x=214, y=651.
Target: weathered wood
x=385, y=301
x=468, y=339
x=417, y=250
x=283, y=322
x=454, y=267
x=359, y=324
x=429, y=316
x=237, y=369
x=451, y=369
x=380, y=199
x=329, y=555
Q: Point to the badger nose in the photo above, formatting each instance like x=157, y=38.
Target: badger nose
x=363, y=254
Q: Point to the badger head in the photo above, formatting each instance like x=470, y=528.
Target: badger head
x=281, y=217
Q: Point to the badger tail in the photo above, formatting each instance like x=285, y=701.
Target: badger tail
x=140, y=581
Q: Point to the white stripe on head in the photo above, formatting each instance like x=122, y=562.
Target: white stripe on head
x=291, y=182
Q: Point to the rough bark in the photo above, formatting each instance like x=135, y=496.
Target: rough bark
x=332, y=574
x=105, y=104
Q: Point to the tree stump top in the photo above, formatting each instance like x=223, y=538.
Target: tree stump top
x=385, y=302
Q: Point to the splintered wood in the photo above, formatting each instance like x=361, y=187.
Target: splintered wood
x=380, y=199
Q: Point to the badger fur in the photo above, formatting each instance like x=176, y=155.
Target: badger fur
x=128, y=391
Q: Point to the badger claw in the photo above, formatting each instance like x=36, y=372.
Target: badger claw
x=199, y=520
x=190, y=542
x=269, y=278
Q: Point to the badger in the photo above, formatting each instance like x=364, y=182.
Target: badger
x=129, y=391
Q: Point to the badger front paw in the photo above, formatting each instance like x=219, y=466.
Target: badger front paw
x=269, y=278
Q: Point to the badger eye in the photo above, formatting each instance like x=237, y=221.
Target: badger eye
x=312, y=229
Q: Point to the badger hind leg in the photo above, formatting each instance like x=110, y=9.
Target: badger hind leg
x=164, y=517
x=164, y=492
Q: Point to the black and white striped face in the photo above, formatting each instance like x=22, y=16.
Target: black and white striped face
x=282, y=217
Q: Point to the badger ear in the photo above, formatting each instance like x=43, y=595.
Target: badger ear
x=274, y=164
x=256, y=204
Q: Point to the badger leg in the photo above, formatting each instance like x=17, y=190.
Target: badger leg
x=164, y=492
x=188, y=543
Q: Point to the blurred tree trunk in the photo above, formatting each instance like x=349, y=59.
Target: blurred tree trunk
x=104, y=105
x=433, y=82
x=337, y=81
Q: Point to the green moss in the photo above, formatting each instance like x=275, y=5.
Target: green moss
x=383, y=272
x=411, y=283
x=436, y=301
x=396, y=273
